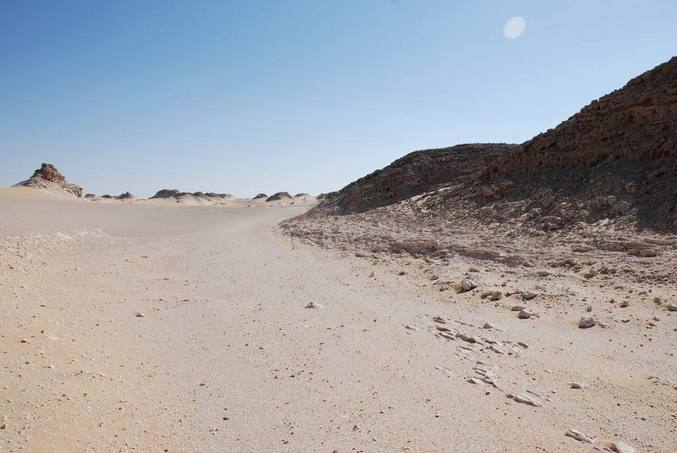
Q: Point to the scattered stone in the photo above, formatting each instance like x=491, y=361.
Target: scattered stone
x=622, y=447
x=488, y=325
x=139, y=315
x=408, y=327
x=524, y=399
x=473, y=380
x=624, y=304
x=586, y=322
x=672, y=307
x=588, y=308
x=464, y=337
x=439, y=319
x=518, y=308
x=528, y=296
x=523, y=314
x=314, y=305
x=492, y=295
x=578, y=385
x=575, y=434
x=468, y=285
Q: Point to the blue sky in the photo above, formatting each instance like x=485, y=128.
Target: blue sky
x=249, y=96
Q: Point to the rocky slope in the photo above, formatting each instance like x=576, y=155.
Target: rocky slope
x=616, y=158
x=612, y=165
x=47, y=177
x=413, y=174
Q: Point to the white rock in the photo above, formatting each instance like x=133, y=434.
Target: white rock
x=575, y=434
x=622, y=447
x=526, y=400
x=672, y=307
x=468, y=284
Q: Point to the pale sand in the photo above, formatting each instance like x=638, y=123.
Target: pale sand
x=226, y=357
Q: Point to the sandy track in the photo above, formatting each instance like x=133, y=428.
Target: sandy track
x=226, y=357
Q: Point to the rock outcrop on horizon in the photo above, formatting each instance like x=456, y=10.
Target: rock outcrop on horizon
x=260, y=196
x=176, y=194
x=279, y=196
x=125, y=196
x=47, y=177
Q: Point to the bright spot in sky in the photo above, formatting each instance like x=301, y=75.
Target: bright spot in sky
x=514, y=27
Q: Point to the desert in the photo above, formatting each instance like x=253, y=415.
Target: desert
x=200, y=321
x=387, y=226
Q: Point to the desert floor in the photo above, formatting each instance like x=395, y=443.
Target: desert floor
x=142, y=327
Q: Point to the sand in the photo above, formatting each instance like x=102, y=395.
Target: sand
x=146, y=326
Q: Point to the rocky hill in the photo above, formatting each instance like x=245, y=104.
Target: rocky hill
x=615, y=161
x=47, y=177
x=413, y=174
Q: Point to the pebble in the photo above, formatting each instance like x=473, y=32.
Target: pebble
x=469, y=339
x=624, y=304
x=468, y=285
x=488, y=325
x=672, y=307
x=524, y=314
x=528, y=296
x=139, y=315
x=586, y=322
x=492, y=295
x=622, y=447
x=408, y=327
x=313, y=305
x=439, y=319
x=578, y=385
x=575, y=434
x=518, y=308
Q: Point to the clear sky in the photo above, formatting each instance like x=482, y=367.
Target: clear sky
x=304, y=96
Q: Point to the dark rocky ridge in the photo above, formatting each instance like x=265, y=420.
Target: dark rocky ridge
x=279, y=196
x=617, y=156
x=48, y=177
x=616, y=159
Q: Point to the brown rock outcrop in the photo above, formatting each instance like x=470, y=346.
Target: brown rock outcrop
x=48, y=177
